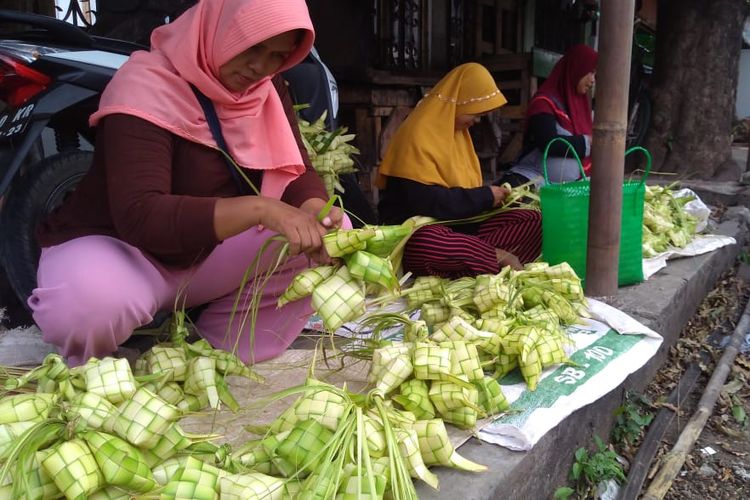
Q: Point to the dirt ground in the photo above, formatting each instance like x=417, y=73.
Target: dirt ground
x=718, y=467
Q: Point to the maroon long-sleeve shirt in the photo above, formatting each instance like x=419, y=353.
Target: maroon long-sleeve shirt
x=157, y=191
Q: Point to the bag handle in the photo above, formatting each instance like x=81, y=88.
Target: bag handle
x=546, y=152
x=649, y=160
x=215, y=126
x=644, y=151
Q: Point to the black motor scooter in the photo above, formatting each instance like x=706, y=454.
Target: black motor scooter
x=51, y=77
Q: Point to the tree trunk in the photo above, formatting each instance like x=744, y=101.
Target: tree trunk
x=694, y=87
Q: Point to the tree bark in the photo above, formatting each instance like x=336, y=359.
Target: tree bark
x=694, y=87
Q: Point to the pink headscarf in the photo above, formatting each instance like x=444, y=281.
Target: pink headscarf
x=155, y=85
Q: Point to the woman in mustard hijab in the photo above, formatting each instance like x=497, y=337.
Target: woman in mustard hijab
x=431, y=169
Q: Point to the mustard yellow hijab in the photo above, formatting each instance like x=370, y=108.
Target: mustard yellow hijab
x=426, y=147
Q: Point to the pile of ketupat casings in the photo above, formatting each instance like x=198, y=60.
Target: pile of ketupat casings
x=100, y=432
x=468, y=328
x=665, y=221
x=103, y=431
x=330, y=152
x=495, y=322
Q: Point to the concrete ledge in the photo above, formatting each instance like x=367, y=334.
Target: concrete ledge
x=665, y=303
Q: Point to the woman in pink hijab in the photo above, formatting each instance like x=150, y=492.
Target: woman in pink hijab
x=162, y=218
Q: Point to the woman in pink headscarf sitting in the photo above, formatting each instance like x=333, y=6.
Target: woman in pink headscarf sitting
x=162, y=217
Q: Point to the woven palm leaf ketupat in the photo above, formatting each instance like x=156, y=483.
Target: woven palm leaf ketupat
x=465, y=359
x=432, y=362
x=457, y=328
x=120, y=463
x=375, y=436
x=93, y=410
x=196, y=480
x=26, y=407
x=172, y=360
x=391, y=366
x=171, y=392
x=386, y=239
x=345, y=241
x=144, y=418
x=491, y=397
x=372, y=269
x=437, y=449
x=434, y=313
x=110, y=378
x=201, y=378
x=408, y=443
x=72, y=467
x=505, y=364
x=304, y=283
x=250, y=485
x=415, y=397
x=339, y=299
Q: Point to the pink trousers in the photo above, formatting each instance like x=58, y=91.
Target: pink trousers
x=94, y=291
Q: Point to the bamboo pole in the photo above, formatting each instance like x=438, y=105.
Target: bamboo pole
x=674, y=460
x=608, y=146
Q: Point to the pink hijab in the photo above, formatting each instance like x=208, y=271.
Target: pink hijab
x=155, y=85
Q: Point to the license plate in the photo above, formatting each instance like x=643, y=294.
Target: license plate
x=13, y=122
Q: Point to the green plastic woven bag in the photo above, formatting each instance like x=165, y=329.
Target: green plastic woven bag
x=565, y=221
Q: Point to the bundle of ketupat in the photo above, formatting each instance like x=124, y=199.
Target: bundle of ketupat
x=665, y=221
x=492, y=322
x=191, y=376
x=501, y=322
x=334, y=444
x=330, y=152
x=99, y=434
x=338, y=291
x=429, y=379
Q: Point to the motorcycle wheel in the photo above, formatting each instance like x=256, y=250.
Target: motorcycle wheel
x=39, y=191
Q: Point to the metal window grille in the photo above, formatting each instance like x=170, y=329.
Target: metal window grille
x=79, y=12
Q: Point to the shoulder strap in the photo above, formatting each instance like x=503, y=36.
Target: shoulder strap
x=558, y=110
x=213, y=123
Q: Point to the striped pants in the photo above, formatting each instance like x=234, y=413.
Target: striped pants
x=442, y=251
